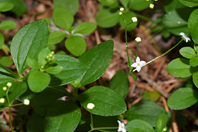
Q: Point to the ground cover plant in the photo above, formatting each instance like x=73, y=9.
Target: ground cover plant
x=68, y=75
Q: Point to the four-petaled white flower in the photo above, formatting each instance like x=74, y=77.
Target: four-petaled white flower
x=121, y=127
x=138, y=64
x=184, y=37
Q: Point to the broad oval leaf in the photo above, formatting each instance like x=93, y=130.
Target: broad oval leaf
x=38, y=81
x=189, y=3
x=195, y=77
x=71, y=5
x=28, y=41
x=145, y=110
x=7, y=25
x=6, y=61
x=107, y=2
x=193, y=25
x=161, y=122
x=56, y=37
x=120, y=83
x=107, y=18
x=187, y=52
x=172, y=5
x=62, y=116
x=35, y=120
x=94, y=58
x=32, y=62
x=194, y=61
x=139, y=126
x=76, y=45
x=72, y=69
x=179, y=67
x=138, y=5
x=54, y=69
x=107, y=102
x=63, y=18
x=182, y=98
x=6, y=6
x=127, y=17
x=85, y=28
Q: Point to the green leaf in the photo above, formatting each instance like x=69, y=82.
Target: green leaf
x=181, y=120
x=172, y=5
x=94, y=58
x=1, y=40
x=182, y=98
x=42, y=56
x=138, y=5
x=63, y=18
x=72, y=69
x=161, y=122
x=38, y=81
x=6, y=61
x=139, y=126
x=56, y=37
x=62, y=116
x=33, y=37
x=85, y=28
x=151, y=96
x=127, y=17
x=46, y=96
x=124, y=2
x=70, y=5
x=145, y=110
x=6, y=6
x=193, y=25
x=194, y=61
x=6, y=75
x=189, y=3
x=120, y=83
x=179, y=67
x=195, y=78
x=35, y=120
x=32, y=62
x=107, y=102
x=187, y=52
x=107, y=2
x=107, y=18
x=7, y=25
x=54, y=70
x=76, y=45
x=19, y=8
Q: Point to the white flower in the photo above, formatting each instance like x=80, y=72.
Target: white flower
x=26, y=102
x=151, y=6
x=134, y=19
x=121, y=127
x=90, y=106
x=9, y=84
x=184, y=37
x=138, y=64
x=138, y=39
x=2, y=100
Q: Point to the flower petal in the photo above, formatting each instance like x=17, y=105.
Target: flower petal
x=134, y=65
x=142, y=63
x=138, y=68
x=119, y=126
x=137, y=59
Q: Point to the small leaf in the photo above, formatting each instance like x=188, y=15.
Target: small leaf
x=189, y=3
x=172, y=5
x=107, y=102
x=195, y=78
x=38, y=81
x=107, y=18
x=1, y=40
x=124, y=2
x=35, y=120
x=6, y=6
x=94, y=58
x=6, y=61
x=85, y=28
x=145, y=110
x=127, y=17
x=138, y=5
x=193, y=25
x=32, y=62
x=54, y=69
x=120, y=83
x=194, y=61
x=62, y=116
x=182, y=98
x=70, y=5
x=179, y=67
x=7, y=25
x=187, y=52
x=63, y=18
x=56, y=37
x=139, y=126
x=7, y=75
x=161, y=122
x=76, y=45
x=42, y=56
x=33, y=37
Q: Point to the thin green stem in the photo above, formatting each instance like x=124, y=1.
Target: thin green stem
x=137, y=50
x=10, y=105
x=143, y=17
x=17, y=104
x=91, y=125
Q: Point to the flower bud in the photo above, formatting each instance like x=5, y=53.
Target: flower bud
x=4, y=88
x=9, y=84
x=120, y=13
x=138, y=39
x=151, y=6
x=121, y=9
x=134, y=19
x=90, y=106
x=2, y=100
x=26, y=102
